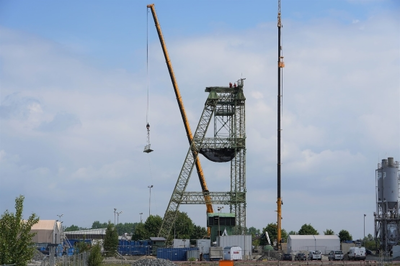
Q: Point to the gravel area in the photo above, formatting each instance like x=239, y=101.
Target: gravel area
x=153, y=262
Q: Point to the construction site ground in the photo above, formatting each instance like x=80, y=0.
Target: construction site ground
x=370, y=260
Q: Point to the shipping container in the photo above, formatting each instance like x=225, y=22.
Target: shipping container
x=242, y=241
x=204, y=245
x=173, y=254
x=193, y=254
x=181, y=243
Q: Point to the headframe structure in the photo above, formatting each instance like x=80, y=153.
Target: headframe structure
x=227, y=144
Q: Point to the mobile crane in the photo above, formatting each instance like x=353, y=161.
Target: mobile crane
x=189, y=134
x=281, y=65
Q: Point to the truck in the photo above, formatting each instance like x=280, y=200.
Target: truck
x=233, y=253
x=356, y=253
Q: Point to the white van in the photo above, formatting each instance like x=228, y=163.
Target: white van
x=233, y=253
x=356, y=253
x=315, y=255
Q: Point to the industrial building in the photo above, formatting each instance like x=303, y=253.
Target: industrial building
x=305, y=243
x=47, y=231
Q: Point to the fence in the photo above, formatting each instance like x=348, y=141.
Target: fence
x=73, y=260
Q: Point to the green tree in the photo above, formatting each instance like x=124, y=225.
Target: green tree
x=344, y=235
x=127, y=228
x=111, y=240
x=272, y=230
x=140, y=232
x=253, y=231
x=71, y=228
x=284, y=236
x=152, y=225
x=329, y=232
x=198, y=232
x=97, y=224
x=183, y=226
x=82, y=246
x=307, y=229
x=16, y=245
x=95, y=258
x=369, y=242
x=292, y=233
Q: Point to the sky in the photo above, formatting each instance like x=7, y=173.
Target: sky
x=80, y=79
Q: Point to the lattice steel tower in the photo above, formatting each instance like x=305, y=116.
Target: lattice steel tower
x=228, y=143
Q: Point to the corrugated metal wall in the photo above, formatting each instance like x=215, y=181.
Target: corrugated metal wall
x=243, y=241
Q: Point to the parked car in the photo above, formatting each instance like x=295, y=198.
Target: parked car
x=315, y=255
x=300, y=256
x=287, y=256
x=357, y=253
x=335, y=255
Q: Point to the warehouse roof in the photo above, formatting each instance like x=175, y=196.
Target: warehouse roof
x=314, y=237
x=44, y=225
x=98, y=231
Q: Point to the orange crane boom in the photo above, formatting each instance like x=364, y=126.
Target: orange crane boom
x=281, y=65
x=189, y=134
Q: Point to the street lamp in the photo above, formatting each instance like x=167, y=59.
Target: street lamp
x=115, y=215
x=141, y=216
x=150, y=187
x=219, y=210
x=118, y=213
x=364, y=227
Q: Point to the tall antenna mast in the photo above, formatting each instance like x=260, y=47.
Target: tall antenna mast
x=280, y=71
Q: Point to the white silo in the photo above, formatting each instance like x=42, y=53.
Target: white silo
x=387, y=220
x=390, y=184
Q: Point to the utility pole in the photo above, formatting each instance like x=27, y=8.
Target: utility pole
x=280, y=70
x=150, y=187
x=364, y=229
x=118, y=213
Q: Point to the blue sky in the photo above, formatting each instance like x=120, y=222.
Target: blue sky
x=73, y=93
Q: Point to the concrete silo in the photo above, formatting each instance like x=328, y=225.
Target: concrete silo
x=387, y=220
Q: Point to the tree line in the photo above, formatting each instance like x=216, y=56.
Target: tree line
x=17, y=247
x=184, y=228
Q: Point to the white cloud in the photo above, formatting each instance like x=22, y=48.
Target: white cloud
x=73, y=130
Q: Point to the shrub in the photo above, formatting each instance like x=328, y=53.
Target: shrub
x=95, y=258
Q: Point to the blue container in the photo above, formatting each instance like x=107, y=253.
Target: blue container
x=70, y=251
x=173, y=254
